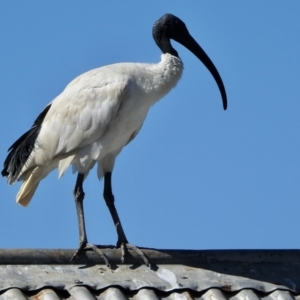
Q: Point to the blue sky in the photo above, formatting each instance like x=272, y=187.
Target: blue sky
x=196, y=177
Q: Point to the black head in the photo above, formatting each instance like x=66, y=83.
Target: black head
x=166, y=28
x=170, y=27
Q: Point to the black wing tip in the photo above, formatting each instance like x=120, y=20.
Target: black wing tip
x=21, y=149
x=19, y=152
x=4, y=172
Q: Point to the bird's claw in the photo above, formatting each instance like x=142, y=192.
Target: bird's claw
x=125, y=246
x=82, y=247
x=88, y=246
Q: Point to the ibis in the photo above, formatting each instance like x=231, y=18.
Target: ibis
x=96, y=115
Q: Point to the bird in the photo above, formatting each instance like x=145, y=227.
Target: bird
x=94, y=117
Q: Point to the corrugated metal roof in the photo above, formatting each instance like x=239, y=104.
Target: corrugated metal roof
x=83, y=293
x=235, y=274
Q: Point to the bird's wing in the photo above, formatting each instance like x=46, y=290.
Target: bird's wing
x=79, y=115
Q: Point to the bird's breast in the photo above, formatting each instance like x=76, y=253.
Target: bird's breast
x=147, y=83
x=122, y=129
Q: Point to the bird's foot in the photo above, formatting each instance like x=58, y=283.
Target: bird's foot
x=88, y=246
x=126, y=246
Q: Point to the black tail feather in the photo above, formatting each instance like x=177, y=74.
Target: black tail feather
x=21, y=149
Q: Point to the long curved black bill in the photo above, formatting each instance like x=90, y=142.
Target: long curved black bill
x=195, y=48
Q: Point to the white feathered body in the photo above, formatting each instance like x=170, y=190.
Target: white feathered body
x=96, y=115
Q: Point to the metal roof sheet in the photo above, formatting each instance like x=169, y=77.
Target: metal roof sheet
x=113, y=293
x=215, y=274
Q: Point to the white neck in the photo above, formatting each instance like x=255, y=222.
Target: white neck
x=156, y=80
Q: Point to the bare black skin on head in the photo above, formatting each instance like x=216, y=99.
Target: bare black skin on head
x=170, y=27
x=166, y=28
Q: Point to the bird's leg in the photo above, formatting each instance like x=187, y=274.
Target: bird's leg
x=79, y=196
x=122, y=240
x=110, y=199
x=83, y=244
